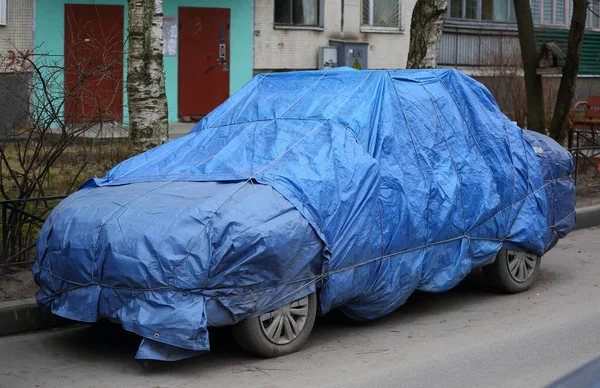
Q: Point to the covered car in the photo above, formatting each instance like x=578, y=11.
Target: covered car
x=341, y=188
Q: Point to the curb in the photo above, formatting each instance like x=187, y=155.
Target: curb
x=587, y=217
x=26, y=315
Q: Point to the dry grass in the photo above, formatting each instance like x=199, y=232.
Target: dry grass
x=588, y=186
x=79, y=162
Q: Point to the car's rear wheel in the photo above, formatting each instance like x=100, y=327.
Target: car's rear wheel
x=513, y=271
x=278, y=332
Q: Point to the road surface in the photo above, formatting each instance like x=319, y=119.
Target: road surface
x=465, y=338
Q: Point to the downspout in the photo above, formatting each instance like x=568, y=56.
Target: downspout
x=33, y=58
x=253, y=38
x=342, y=37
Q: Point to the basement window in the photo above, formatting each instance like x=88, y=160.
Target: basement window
x=3, y=7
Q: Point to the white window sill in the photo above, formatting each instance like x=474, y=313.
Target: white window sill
x=382, y=30
x=309, y=28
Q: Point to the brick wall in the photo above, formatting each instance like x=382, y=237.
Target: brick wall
x=17, y=36
x=292, y=49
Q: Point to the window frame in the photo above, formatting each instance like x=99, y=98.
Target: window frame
x=594, y=25
x=383, y=29
x=286, y=26
x=479, y=19
x=3, y=12
x=568, y=16
x=552, y=23
x=593, y=18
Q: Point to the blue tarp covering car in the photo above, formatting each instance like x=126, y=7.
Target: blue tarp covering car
x=367, y=185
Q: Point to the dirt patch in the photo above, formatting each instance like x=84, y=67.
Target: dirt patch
x=16, y=283
x=584, y=201
x=586, y=196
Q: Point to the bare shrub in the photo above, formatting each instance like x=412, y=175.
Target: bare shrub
x=504, y=79
x=59, y=135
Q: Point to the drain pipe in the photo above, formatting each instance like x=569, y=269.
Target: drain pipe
x=342, y=37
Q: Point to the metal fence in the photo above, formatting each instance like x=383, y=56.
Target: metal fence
x=21, y=222
x=585, y=148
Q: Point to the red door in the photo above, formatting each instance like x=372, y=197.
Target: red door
x=203, y=60
x=93, y=62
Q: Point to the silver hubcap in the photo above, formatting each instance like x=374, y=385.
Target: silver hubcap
x=285, y=324
x=521, y=265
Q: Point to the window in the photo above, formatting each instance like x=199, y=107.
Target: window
x=456, y=9
x=382, y=15
x=553, y=12
x=535, y=10
x=559, y=13
x=546, y=12
x=593, y=16
x=300, y=13
x=559, y=16
x=484, y=10
x=487, y=9
x=3, y=12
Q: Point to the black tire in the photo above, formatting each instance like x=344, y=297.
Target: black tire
x=498, y=275
x=250, y=335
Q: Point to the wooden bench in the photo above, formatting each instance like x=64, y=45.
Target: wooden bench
x=584, y=134
x=591, y=113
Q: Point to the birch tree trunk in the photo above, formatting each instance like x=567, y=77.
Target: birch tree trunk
x=426, y=27
x=148, y=120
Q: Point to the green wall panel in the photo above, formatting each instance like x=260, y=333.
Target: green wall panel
x=590, y=52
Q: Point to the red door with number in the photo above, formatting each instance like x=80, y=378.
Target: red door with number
x=93, y=62
x=203, y=60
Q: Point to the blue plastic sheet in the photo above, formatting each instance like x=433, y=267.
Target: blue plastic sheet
x=367, y=184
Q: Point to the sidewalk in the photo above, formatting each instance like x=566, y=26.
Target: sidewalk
x=114, y=130
x=177, y=130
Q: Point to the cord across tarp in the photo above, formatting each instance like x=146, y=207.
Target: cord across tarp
x=410, y=179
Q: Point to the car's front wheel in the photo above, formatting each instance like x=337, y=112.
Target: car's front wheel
x=278, y=332
x=513, y=271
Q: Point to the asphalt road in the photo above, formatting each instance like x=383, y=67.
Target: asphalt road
x=465, y=338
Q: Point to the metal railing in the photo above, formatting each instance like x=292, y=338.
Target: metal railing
x=584, y=145
x=21, y=222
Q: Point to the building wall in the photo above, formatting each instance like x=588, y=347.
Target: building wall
x=472, y=45
x=296, y=49
x=464, y=44
x=16, y=43
x=50, y=27
x=490, y=52
x=590, y=51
